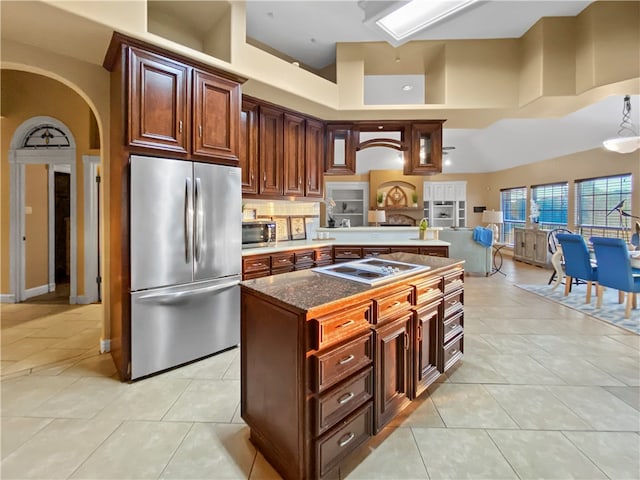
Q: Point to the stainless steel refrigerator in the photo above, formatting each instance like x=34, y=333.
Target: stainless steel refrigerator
x=186, y=241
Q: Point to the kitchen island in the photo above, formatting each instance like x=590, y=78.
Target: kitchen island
x=327, y=362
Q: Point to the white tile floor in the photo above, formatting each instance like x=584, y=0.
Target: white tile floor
x=543, y=392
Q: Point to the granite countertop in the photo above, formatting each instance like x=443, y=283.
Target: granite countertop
x=304, y=244
x=307, y=289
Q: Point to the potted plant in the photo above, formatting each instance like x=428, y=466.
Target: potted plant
x=380, y=199
x=414, y=199
x=424, y=224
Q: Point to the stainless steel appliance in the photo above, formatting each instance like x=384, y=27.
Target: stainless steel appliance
x=185, y=261
x=258, y=233
x=372, y=271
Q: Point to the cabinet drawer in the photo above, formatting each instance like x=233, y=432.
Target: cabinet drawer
x=340, y=253
x=282, y=261
x=453, y=281
x=452, y=352
x=324, y=331
x=452, y=304
x=329, y=368
x=415, y=250
x=252, y=275
x=368, y=252
x=337, y=444
x=256, y=264
x=428, y=291
x=452, y=327
x=389, y=305
x=435, y=251
x=303, y=256
x=323, y=255
x=340, y=401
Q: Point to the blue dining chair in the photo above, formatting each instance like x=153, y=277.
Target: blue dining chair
x=577, y=262
x=614, y=270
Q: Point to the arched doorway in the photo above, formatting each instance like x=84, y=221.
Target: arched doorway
x=42, y=147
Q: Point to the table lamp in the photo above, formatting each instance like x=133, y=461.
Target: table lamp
x=493, y=218
x=376, y=216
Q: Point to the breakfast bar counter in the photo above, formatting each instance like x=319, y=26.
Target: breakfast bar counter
x=327, y=362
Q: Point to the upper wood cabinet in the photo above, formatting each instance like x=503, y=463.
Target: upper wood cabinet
x=271, y=128
x=173, y=105
x=158, y=108
x=314, y=156
x=294, y=142
x=248, y=151
x=281, y=152
x=425, y=156
x=216, y=110
x=341, y=153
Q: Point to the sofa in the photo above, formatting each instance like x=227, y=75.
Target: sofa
x=477, y=258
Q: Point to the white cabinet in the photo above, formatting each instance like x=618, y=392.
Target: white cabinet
x=352, y=202
x=445, y=203
x=530, y=246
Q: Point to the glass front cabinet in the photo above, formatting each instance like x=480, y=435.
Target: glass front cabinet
x=445, y=204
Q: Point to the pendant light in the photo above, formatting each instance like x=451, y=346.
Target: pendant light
x=627, y=140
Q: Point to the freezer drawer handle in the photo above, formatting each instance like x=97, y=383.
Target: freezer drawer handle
x=188, y=219
x=169, y=298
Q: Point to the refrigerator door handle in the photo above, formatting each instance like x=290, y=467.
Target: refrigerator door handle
x=176, y=297
x=188, y=220
x=199, y=221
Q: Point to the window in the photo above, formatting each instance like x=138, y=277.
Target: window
x=513, y=202
x=553, y=204
x=596, y=203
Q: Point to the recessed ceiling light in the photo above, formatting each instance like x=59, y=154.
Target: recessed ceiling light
x=407, y=88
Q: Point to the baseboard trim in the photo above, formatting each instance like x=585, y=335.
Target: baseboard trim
x=7, y=298
x=35, y=291
x=105, y=345
x=83, y=300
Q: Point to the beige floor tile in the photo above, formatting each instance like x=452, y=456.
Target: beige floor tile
x=630, y=340
x=135, y=450
x=472, y=454
x=522, y=369
x=616, y=454
x=13, y=334
x=82, y=399
x=512, y=344
x=213, y=451
x=421, y=413
x=17, y=430
x=82, y=339
x=576, y=371
x=99, y=365
x=475, y=325
x=600, y=408
x=579, y=344
x=212, y=368
x=536, y=454
x=21, y=395
x=262, y=470
x=379, y=459
x=233, y=372
x=535, y=408
x=629, y=395
x=25, y=347
x=206, y=401
x=478, y=345
x=63, y=328
x=148, y=399
x=469, y=406
x=625, y=369
x=474, y=369
x=44, y=358
x=58, y=449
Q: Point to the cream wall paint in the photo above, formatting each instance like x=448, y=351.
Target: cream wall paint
x=36, y=226
x=531, y=56
x=559, y=63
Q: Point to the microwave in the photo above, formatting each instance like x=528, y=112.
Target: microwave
x=258, y=233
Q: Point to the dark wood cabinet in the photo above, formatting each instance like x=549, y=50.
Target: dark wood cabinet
x=248, y=150
x=294, y=150
x=314, y=158
x=426, y=149
x=270, y=136
x=215, y=128
x=425, y=347
x=391, y=353
x=158, y=113
x=341, y=154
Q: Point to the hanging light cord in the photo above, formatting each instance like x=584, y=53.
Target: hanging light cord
x=626, y=125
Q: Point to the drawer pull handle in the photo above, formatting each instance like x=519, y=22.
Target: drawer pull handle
x=453, y=352
x=346, y=324
x=453, y=327
x=395, y=304
x=283, y=260
x=346, y=439
x=346, y=397
x=346, y=360
x=258, y=265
